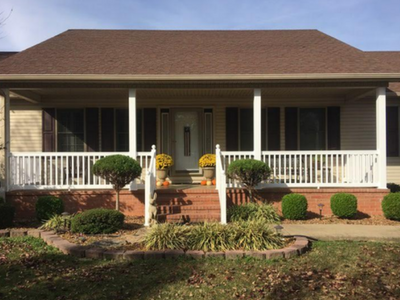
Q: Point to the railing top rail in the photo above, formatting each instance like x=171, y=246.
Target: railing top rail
x=237, y=152
x=74, y=153
x=320, y=152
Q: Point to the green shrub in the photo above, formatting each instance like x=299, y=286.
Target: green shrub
x=294, y=207
x=250, y=172
x=391, y=206
x=253, y=211
x=344, y=205
x=119, y=170
x=167, y=236
x=254, y=235
x=48, y=206
x=7, y=213
x=98, y=220
x=57, y=223
x=393, y=187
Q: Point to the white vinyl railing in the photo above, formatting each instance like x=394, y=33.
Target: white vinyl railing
x=221, y=183
x=343, y=168
x=150, y=185
x=62, y=170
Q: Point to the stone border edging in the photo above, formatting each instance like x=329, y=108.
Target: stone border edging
x=300, y=246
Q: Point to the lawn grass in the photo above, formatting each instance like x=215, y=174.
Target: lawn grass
x=29, y=269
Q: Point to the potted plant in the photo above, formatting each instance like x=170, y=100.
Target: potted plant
x=207, y=163
x=163, y=163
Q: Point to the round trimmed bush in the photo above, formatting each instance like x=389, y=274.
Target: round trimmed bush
x=294, y=207
x=344, y=205
x=391, y=206
x=98, y=220
x=48, y=206
x=7, y=213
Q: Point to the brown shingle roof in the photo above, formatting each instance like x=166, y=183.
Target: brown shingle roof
x=390, y=62
x=6, y=54
x=147, y=52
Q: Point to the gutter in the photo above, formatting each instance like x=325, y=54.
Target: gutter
x=392, y=77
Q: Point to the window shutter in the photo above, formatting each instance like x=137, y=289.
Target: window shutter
x=291, y=128
x=334, y=128
x=274, y=128
x=392, y=128
x=246, y=129
x=107, y=129
x=232, y=128
x=92, y=130
x=149, y=128
x=264, y=136
x=48, y=130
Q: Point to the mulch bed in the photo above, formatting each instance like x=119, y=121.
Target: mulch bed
x=360, y=219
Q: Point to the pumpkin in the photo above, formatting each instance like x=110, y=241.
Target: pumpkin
x=166, y=183
x=214, y=182
x=204, y=182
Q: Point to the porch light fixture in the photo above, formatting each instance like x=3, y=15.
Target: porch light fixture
x=278, y=229
x=321, y=206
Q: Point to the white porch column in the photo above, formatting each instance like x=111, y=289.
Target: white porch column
x=381, y=135
x=4, y=139
x=132, y=124
x=257, y=123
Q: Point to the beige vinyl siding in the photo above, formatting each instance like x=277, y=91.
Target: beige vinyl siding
x=26, y=130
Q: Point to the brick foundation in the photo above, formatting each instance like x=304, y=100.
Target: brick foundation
x=369, y=199
x=132, y=203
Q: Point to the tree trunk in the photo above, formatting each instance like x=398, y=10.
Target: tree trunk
x=117, y=202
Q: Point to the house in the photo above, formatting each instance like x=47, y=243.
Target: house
x=322, y=114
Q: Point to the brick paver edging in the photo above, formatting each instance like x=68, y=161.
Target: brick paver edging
x=299, y=247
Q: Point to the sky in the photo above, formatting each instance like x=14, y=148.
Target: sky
x=366, y=24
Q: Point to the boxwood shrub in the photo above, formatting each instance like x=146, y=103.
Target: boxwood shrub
x=391, y=206
x=48, y=206
x=253, y=211
x=98, y=220
x=7, y=213
x=294, y=207
x=344, y=205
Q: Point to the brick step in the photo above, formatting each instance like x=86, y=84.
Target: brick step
x=189, y=217
x=181, y=201
x=194, y=198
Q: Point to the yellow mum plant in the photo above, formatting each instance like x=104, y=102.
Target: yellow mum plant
x=207, y=161
x=164, y=161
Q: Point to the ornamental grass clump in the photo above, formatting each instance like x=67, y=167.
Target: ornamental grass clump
x=207, y=161
x=255, y=235
x=167, y=236
x=391, y=206
x=119, y=170
x=211, y=237
x=164, y=161
x=58, y=223
x=344, y=205
x=253, y=211
x=250, y=173
x=294, y=207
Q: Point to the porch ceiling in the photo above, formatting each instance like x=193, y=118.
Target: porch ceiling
x=121, y=94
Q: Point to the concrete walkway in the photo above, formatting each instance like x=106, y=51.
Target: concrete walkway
x=329, y=232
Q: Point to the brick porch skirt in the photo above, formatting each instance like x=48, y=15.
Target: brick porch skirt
x=132, y=203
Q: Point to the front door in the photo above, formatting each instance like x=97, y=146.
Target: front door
x=186, y=141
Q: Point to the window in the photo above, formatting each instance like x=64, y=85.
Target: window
x=392, y=128
x=239, y=129
x=70, y=130
x=122, y=130
x=312, y=128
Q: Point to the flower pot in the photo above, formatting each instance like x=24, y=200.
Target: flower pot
x=209, y=174
x=162, y=174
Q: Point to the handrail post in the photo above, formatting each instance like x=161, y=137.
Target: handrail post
x=150, y=185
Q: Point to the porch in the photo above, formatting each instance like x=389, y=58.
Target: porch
x=261, y=131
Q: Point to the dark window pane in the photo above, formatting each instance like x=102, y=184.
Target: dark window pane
x=139, y=129
x=312, y=129
x=122, y=130
x=246, y=129
x=392, y=127
x=70, y=131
